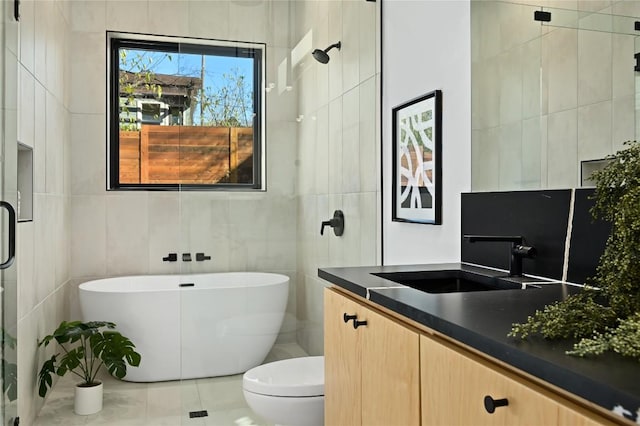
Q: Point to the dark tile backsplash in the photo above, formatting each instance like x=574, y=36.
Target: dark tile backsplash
x=539, y=216
x=588, y=239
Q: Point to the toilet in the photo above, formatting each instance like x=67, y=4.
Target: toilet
x=288, y=392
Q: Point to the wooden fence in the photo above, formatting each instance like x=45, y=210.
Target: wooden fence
x=187, y=155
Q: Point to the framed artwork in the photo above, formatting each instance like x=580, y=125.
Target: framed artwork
x=417, y=160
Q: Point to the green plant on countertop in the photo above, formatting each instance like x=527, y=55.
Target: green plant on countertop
x=606, y=318
x=87, y=347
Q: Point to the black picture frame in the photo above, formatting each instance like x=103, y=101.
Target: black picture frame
x=416, y=194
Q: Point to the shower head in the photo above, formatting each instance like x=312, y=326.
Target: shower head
x=322, y=56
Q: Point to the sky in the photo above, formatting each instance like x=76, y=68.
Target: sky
x=191, y=65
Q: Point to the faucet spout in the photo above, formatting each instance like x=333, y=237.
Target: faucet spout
x=518, y=250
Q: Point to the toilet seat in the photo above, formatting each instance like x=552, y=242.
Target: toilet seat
x=295, y=377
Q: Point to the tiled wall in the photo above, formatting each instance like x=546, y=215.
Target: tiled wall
x=545, y=98
x=43, y=123
x=338, y=149
x=127, y=232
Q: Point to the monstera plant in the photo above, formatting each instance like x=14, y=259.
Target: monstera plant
x=86, y=347
x=605, y=316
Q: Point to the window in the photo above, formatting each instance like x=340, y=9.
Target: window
x=184, y=114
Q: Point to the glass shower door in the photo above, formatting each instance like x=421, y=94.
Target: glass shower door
x=8, y=196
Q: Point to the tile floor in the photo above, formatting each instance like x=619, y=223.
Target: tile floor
x=162, y=403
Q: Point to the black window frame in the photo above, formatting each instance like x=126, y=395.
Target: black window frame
x=117, y=40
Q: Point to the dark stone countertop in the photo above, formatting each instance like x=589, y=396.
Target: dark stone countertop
x=483, y=319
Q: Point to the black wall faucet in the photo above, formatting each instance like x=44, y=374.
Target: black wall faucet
x=518, y=249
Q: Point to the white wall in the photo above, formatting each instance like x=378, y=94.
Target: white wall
x=426, y=46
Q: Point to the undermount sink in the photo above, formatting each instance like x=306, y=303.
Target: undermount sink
x=451, y=281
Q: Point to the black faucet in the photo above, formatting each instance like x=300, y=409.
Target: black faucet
x=518, y=249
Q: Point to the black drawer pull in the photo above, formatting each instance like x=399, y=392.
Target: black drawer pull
x=348, y=318
x=491, y=404
x=357, y=323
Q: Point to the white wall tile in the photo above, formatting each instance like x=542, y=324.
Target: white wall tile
x=350, y=45
x=247, y=21
x=88, y=154
x=26, y=96
x=351, y=141
x=594, y=131
x=560, y=63
x=321, y=156
x=335, y=147
x=209, y=19
x=27, y=34
x=128, y=15
x=55, y=53
x=485, y=170
x=367, y=43
x=169, y=17
x=127, y=233
x=306, y=155
x=281, y=145
x=89, y=16
x=510, y=77
x=369, y=178
x=531, y=87
x=88, y=236
x=510, y=137
x=562, y=149
x=623, y=127
x=25, y=264
x=88, y=72
x=44, y=255
x=55, y=116
x=531, y=153
x=623, y=63
x=594, y=67
x=40, y=139
x=43, y=10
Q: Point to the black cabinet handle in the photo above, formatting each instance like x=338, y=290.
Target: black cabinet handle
x=348, y=318
x=491, y=404
x=357, y=323
x=186, y=257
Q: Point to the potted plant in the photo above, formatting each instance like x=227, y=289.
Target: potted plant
x=605, y=316
x=87, y=346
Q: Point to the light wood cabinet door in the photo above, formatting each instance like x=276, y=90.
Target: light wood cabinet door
x=372, y=373
x=454, y=386
x=342, y=348
x=390, y=372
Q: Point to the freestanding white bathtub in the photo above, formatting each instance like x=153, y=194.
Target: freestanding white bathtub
x=191, y=326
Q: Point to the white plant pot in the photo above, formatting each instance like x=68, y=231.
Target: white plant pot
x=88, y=399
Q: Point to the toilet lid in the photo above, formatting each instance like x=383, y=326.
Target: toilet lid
x=290, y=377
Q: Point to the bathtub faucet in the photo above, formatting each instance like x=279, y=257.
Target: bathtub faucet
x=201, y=256
x=171, y=257
x=518, y=250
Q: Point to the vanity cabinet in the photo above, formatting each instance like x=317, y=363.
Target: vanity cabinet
x=387, y=372
x=455, y=384
x=372, y=373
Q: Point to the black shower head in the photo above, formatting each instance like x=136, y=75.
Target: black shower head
x=322, y=56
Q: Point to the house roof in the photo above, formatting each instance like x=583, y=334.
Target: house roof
x=172, y=85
